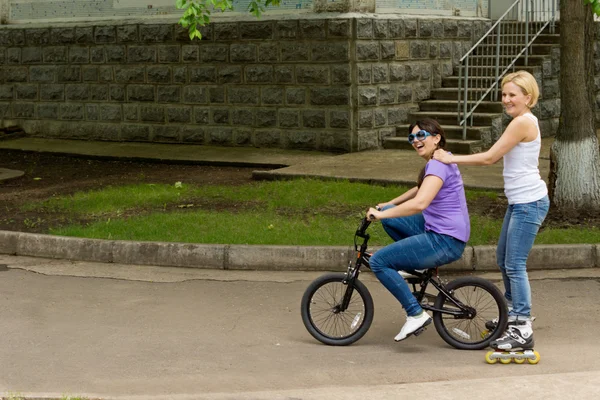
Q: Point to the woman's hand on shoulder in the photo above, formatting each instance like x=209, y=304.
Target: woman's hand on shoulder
x=442, y=156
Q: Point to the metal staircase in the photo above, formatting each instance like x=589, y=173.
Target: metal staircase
x=468, y=104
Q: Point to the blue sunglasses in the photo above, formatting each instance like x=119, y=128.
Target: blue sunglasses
x=420, y=136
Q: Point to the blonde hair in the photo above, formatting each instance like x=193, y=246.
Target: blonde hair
x=527, y=83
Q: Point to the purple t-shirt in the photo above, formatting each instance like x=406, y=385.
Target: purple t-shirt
x=447, y=214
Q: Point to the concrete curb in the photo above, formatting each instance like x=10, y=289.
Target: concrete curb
x=256, y=257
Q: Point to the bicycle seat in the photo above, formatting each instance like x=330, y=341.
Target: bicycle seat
x=409, y=274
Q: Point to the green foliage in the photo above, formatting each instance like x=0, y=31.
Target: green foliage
x=197, y=12
x=595, y=4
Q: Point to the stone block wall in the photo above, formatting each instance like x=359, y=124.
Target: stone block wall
x=322, y=83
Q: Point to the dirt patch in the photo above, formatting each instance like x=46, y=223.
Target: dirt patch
x=48, y=175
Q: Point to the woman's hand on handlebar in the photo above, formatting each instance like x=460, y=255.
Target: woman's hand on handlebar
x=373, y=214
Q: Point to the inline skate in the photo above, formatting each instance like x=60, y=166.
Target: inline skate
x=515, y=345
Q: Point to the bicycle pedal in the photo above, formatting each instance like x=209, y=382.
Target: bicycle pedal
x=419, y=331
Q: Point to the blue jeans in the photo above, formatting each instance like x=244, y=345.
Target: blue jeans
x=414, y=248
x=520, y=227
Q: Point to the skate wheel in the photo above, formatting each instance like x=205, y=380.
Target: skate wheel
x=534, y=360
x=489, y=359
x=519, y=360
x=505, y=360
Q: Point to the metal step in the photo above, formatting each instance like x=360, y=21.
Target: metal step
x=544, y=38
x=490, y=69
x=451, y=93
x=490, y=60
x=490, y=107
x=453, y=145
x=508, y=49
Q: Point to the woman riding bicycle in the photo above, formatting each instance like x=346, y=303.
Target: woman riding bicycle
x=429, y=224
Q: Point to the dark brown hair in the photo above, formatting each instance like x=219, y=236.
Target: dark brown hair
x=433, y=127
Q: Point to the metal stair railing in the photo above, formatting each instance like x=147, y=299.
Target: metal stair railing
x=484, y=65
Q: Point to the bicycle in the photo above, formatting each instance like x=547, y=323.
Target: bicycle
x=333, y=315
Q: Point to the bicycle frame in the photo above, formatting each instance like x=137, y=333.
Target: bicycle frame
x=423, y=279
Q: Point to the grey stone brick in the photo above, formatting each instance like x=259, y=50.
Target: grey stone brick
x=267, y=138
x=367, y=50
x=110, y=132
x=379, y=117
x=295, y=96
x=141, y=54
x=97, y=55
x=180, y=75
x=334, y=141
x=37, y=36
x=30, y=55
x=159, y=74
x=127, y=33
x=367, y=96
x=130, y=112
x=135, y=133
x=52, y=92
x=419, y=49
x=129, y=74
x=68, y=73
x=380, y=73
x=226, y=31
x=380, y=29
x=293, y=51
x=48, y=111
x=84, y=34
x=387, y=94
x=339, y=119
x=243, y=95
x=445, y=49
x=330, y=51
x=230, y=74
x=141, y=93
x=289, y=119
x=55, y=54
x=312, y=29
x=216, y=95
x=434, y=49
x=5, y=111
x=397, y=115
x=179, y=114
x=396, y=28
x=71, y=111
x=201, y=115
x=13, y=55
x=99, y=92
x=220, y=116
x=314, y=119
x=410, y=28
x=338, y=96
x=404, y=94
x=365, y=119
x=91, y=112
x=242, y=136
x=110, y=112
x=214, y=52
x=243, y=52
x=259, y=74
x=364, y=28
x=165, y=133
x=62, y=35
x=286, y=29
x=312, y=74
x=23, y=110
x=450, y=28
x=105, y=74
x=183, y=35
x=2, y=55
x=242, y=116
x=338, y=28
x=15, y=74
x=364, y=73
x=78, y=91
x=12, y=37
x=79, y=54
x=426, y=28
x=284, y=73
x=465, y=29
x=422, y=91
x=156, y=33
x=117, y=92
x=220, y=136
x=256, y=30
x=105, y=34
x=169, y=94
x=340, y=74
x=169, y=53
x=272, y=95
x=189, y=53
x=265, y=118
x=26, y=91
x=7, y=92
x=194, y=94
x=425, y=72
x=301, y=140
x=203, y=74
x=412, y=72
x=193, y=134
x=387, y=50
x=152, y=113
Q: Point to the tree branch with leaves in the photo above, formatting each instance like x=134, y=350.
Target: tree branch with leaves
x=198, y=12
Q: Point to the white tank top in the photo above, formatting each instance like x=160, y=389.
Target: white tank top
x=522, y=180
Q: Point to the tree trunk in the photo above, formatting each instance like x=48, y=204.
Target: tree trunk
x=574, y=157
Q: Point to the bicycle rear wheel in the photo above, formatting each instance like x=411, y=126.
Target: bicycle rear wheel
x=486, y=302
x=321, y=314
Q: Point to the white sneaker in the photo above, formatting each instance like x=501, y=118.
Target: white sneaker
x=412, y=324
x=407, y=274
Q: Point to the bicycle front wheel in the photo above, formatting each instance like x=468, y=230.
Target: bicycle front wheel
x=322, y=314
x=487, y=305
